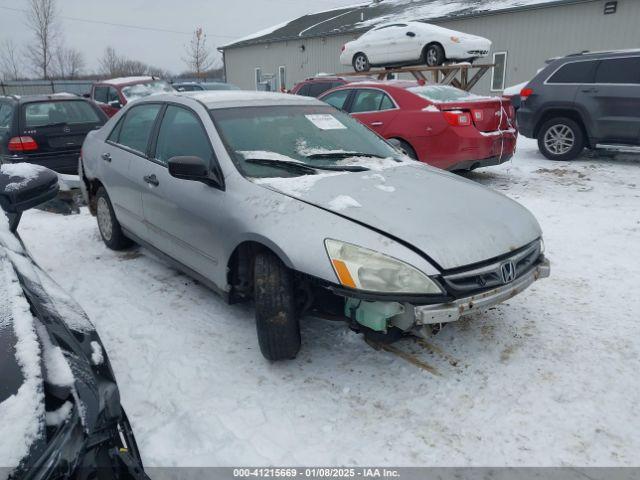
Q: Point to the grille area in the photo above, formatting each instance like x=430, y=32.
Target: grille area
x=491, y=276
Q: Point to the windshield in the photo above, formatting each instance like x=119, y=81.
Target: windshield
x=313, y=135
x=72, y=112
x=145, y=89
x=444, y=93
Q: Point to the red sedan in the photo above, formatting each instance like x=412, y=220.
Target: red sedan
x=440, y=125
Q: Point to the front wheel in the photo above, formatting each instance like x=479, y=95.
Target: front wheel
x=434, y=55
x=108, y=224
x=361, y=63
x=276, y=317
x=561, y=139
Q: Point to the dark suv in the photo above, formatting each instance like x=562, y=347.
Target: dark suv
x=47, y=130
x=584, y=100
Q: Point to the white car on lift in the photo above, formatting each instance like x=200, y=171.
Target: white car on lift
x=412, y=43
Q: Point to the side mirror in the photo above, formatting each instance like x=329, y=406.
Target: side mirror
x=24, y=186
x=192, y=168
x=411, y=34
x=115, y=104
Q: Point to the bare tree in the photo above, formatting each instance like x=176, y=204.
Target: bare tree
x=9, y=63
x=198, y=57
x=110, y=63
x=116, y=65
x=68, y=62
x=41, y=20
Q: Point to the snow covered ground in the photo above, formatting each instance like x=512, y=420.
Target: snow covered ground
x=549, y=378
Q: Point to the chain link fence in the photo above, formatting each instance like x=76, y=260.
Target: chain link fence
x=36, y=87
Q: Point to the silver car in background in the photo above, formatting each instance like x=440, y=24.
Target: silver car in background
x=287, y=202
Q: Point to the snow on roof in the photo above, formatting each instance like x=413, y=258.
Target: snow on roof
x=22, y=172
x=220, y=98
x=361, y=17
x=126, y=80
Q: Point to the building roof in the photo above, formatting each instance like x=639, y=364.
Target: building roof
x=362, y=17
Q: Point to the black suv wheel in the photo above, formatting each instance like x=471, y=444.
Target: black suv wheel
x=561, y=139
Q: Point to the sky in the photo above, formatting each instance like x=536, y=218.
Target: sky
x=222, y=20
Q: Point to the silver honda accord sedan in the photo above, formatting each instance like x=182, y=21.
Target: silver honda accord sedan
x=285, y=201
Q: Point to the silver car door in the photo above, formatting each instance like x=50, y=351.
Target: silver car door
x=182, y=215
x=125, y=147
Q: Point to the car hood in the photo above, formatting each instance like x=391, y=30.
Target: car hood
x=452, y=220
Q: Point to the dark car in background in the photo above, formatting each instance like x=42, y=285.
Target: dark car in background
x=111, y=95
x=58, y=393
x=200, y=86
x=583, y=100
x=316, y=86
x=46, y=130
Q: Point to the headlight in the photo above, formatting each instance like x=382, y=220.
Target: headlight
x=365, y=269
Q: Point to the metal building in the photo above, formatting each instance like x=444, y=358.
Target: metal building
x=524, y=35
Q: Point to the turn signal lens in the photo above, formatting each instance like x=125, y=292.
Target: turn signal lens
x=455, y=39
x=526, y=93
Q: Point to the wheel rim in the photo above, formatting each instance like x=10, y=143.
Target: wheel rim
x=432, y=57
x=360, y=63
x=559, y=139
x=104, y=219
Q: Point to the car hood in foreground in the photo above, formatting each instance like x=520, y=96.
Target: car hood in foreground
x=452, y=220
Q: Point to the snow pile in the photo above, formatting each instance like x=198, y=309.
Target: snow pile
x=97, y=355
x=57, y=368
x=23, y=172
x=343, y=202
x=21, y=414
x=59, y=416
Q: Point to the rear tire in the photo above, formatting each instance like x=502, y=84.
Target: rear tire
x=110, y=229
x=434, y=55
x=276, y=317
x=361, y=62
x=408, y=149
x=561, y=139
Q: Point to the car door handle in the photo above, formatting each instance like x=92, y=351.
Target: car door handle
x=106, y=157
x=151, y=180
x=377, y=124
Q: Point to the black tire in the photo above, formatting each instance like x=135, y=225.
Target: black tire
x=276, y=317
x=561, y=139
x=407, y=149
x=110, y=229
x=433, y=55
x=360, y=62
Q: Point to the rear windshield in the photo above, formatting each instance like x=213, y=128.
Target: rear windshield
x=443, y=94
x=58, y=112
x=145, y=89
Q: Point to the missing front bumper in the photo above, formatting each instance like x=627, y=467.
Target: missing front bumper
x=452, y=311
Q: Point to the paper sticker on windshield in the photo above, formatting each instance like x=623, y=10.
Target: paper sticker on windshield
x=326, y=122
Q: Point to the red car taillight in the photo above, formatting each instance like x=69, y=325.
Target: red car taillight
x=458, y=119
x=525, y=93
x=22, y=144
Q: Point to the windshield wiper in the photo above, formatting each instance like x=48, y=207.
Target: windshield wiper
x=304, y=168
x=342, y=155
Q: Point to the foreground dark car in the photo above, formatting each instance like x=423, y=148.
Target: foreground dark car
x=46, y=130
x=59, y=402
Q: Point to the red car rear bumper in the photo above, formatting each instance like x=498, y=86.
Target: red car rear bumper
x=464, y=148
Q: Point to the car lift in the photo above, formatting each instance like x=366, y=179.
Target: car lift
x=442, y=75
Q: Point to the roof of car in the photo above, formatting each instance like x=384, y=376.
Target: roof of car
x=127, y=80
x=41, y=97
x=214, y=99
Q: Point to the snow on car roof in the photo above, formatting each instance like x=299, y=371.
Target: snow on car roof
x=127, y=80
x=237, y=98
x=363, y=16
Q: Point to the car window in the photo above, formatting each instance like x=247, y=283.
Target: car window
x=304, y=90
x=100, y=94
x=6, y=116
x=575, y=72
x=140, y=90
x=182, y=135
x=337, y=99
x=370, y=101
x=113, y=95
x=71, y=112
x=619, y=70
x=318, y=88
x=137, y=125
